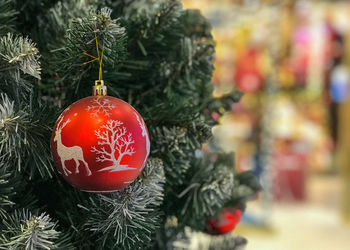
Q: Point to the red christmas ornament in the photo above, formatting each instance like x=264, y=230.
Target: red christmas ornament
x=225, y=222
x=100, y=144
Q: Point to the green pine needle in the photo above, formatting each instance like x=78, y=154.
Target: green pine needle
x=23, y=230
x=24, y=133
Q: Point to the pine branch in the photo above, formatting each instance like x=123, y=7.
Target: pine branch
x=192, y=240
x=175, y=62
x=174, y=146
x=18, y=54
x=127, y=218
x=24, y=136
x=209, y=188
x=68, y=61
x=14, y=192
x=247, y=187
x=151, y=15
x=7, y=190
x=23, y=230
x=7, y=17
x=61, y=16
x=190, y=76
x=224, y=102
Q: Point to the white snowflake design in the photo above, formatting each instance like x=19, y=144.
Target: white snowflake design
x=103, y=106
x=114, y=139
x=144, y=134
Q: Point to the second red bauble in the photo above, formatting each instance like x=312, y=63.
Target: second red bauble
x=100, y=144
x=225, y=222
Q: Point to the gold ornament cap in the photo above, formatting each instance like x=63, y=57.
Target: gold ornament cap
x=99, y=88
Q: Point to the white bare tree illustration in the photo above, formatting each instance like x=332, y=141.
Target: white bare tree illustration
x=98, y=105
x=114, y=143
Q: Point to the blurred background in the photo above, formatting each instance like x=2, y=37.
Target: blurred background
x=292, y=126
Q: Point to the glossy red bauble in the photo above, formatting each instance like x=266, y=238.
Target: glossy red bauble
x=100, y=144
x=225, y=222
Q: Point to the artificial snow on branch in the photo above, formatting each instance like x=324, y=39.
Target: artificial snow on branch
x=25, y=230
x=23, y=133
x=128, y=217
x=19, y=54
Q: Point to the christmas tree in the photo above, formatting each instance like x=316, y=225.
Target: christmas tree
x=158, y=57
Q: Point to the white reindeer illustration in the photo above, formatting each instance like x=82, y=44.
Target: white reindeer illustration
x=114, y=140
x=69, y=153
x=144, y=134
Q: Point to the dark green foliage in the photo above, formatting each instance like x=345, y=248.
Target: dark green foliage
x=7, y=17
x=7, y=190
x=159, y=58
x=247, y=187
x=15, y=191
x=31, y=19
x=60, y=16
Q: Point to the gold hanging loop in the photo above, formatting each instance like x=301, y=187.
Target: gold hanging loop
x=99, y=89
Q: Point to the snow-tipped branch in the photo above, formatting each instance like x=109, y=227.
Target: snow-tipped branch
x=27, y=231
x=116, y=218
x=24, y=131
x=19, y=54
